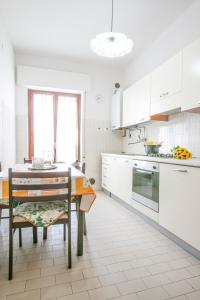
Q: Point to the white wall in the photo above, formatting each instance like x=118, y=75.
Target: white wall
x=7, y=101
x=96, y=115
x=182, y=32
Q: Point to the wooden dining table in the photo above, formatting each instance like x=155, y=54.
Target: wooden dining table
x=79, y=190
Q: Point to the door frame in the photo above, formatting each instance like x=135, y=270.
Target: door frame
x=55, y=95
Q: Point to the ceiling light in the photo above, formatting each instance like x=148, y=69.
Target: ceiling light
x=111, y=44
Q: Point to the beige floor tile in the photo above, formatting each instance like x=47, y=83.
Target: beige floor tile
x=81, y=296
x=178, y=288
x=180, y=298
x=25, y=275
x=157, y=293
x=179, y=263
x=177, y=275
x=194, y=296
x=93, y=272
x=40, y=264
x=194, y=282
x=121, y=266
x=30, y=295
x=12, y=288
x=158, y=268
x=156, y=280
x=132, y=286
x=85, y=285
x=141, y=262
x=41, y=282
x=128, y=297
x=104, y=293
x=136, y=273
x=68, y=277
x=55, y=291
x=194, y=270
x=112, y=278
x=53, y=270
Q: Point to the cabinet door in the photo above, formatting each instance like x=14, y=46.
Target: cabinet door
x=191, y=76
x=166, y=84
x=136, y=103
x=106, y=172
x=116, y=108
x=122, y=178
x=180, y=202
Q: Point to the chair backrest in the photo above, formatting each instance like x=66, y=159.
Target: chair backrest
x=27, y=161
x=21, y=184
x=79, y=166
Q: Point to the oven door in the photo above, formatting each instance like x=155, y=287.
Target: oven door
x=145, y=187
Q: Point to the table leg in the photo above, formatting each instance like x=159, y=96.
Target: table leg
x=80, y=230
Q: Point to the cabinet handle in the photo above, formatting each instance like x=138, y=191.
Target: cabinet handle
x=181, y=170
x=164, y=94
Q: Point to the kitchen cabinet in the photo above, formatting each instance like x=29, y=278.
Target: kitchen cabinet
x=122, y=178
x=106, y=172
x=117, y=176
x=166, y=86
x=191, y=76
x=136, y=103
x=180, y=202
x=116, y=110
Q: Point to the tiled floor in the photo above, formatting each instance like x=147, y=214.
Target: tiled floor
x=124, y=258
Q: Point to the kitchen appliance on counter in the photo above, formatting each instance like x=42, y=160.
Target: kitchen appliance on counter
x=145, y=183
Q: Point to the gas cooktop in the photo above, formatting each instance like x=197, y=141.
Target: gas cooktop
x=161, y=155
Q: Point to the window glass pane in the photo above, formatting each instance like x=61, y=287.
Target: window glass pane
x=67, y=131
x=43, y=126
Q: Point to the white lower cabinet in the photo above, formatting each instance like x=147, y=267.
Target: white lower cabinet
x=180, y=202
x=117, y=176
x=122, y=178
x=106, y=172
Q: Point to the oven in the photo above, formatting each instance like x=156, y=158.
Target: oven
x=145, y=183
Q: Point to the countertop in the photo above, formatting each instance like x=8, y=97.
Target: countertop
x=192, y=162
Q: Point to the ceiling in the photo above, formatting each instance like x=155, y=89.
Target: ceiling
x=64, y=28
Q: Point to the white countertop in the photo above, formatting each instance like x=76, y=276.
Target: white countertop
x=192, y=162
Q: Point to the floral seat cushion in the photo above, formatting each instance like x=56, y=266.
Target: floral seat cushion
x=41, y=214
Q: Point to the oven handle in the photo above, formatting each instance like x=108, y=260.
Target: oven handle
x=144, y=172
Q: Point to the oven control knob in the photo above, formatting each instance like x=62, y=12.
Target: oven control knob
x=154, y=167
x=135, y=165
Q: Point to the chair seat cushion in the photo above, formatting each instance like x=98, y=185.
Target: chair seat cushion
x=41, y=214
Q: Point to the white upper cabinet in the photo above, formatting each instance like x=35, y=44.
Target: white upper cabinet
x=136, y=103
x=191, y=76
x=166, y=85
x=116, y=110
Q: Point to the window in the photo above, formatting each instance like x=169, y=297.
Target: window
x=54, y=125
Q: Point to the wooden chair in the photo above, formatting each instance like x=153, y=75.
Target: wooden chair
x=27, y=161
x=4, y=204
x=20, y=222
x=81, y=167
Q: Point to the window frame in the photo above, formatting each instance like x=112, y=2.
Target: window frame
x=55, y=95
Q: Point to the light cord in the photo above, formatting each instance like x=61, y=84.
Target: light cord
x=112, y=18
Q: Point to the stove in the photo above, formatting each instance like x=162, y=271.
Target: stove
x=161, y=155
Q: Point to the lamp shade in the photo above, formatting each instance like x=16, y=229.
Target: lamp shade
x=111, y=44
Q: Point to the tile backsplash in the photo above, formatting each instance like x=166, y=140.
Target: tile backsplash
x=182, y=129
